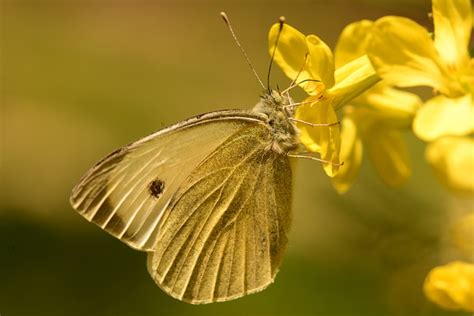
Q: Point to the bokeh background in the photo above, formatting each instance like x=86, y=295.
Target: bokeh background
x=81, y=78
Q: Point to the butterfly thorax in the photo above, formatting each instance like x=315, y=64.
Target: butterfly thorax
x=277, y=108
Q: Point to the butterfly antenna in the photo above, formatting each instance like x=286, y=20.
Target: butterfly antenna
x=293, y=83
x=227, y=21
x=282, y=22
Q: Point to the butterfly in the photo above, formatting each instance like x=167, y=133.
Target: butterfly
x=208, y=199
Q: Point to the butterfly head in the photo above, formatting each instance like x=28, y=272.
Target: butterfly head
x=272, y=101
x=278, y=110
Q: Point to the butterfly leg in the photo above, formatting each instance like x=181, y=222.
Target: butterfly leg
x=315, y=158
x=313, y=124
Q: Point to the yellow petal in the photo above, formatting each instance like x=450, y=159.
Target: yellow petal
x=453, y=24
x=290, y=55
x=351, y=155
x=442, y=116
x=352, y=42
x=404, y=55
x=452, y=159
x=397, y=108
x=321, y=60
x=352, y=79
x=323, y=139
x=388, y=153
x=451, y=286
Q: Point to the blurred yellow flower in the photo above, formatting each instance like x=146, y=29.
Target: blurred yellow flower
x=452, y=158
x=451, y=286
x=405, y=55
x=442, y=116
x=375, y=119
x=309, y=60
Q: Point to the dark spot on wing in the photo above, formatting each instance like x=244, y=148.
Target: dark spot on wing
x=156, y=188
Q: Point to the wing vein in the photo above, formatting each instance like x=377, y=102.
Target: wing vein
x=232, y=259
x=103, y=198
x=197, y=235
x=267, y=218
x=196, y=207
x=199, y=204
x=224, y=229
x=97, y=193
x=130, y=190
x=277, y=224
x=237, y=187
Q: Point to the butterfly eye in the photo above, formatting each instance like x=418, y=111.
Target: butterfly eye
x=156, y=188
x=274, y=97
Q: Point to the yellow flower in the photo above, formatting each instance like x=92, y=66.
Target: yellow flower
x=452, y=159
x=405, y=55
x=374, y=120
x=310, y=60
x=441, y=116
x=451, y=286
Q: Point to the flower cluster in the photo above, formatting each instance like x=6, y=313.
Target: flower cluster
x=374, y=113
x=405, y=54
x=365, y=80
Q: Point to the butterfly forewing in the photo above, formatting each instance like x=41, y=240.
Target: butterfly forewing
x=225, y=230
x=127, y=192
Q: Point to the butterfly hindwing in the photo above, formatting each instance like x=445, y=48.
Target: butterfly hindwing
x=225, y=230
x=127, y=192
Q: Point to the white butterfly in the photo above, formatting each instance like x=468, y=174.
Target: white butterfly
x=209, y=199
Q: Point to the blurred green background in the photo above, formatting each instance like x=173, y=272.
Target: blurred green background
x=81, y=78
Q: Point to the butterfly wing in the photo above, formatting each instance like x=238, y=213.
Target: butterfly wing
x=127, y=192
x=225, y=230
